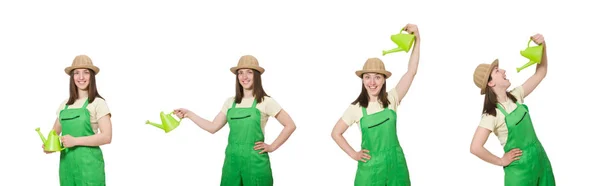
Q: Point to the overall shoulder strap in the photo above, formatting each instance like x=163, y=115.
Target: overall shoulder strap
x=501, y=109
x=254, y=103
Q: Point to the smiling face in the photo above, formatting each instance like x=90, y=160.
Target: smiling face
x=498, y=79
x=246, y=78
x=81, y=77
x=373, y=83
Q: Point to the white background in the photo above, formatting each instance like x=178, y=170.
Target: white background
x=160, y=56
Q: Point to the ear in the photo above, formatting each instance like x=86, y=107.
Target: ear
x=491, y=84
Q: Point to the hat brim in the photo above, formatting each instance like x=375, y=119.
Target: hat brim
x=257, y=68
x=387, y=74
x=489, y=72
x=71, y=68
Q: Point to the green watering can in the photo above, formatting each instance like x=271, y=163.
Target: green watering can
x=534, y=54
x=168, y=122
x=403, y=41
x=52, y=143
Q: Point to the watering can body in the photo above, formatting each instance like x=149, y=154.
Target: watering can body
x=52, y=142
x=534, y=54
x=403, y=41
x=168, y=122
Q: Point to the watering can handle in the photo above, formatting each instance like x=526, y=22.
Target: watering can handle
x=530, y=40
x=174, y=112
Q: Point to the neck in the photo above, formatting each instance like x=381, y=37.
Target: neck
x=372, y=98
x=248, y=93
x=82, y=93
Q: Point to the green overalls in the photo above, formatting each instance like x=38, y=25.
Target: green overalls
x=387, y=166
x=533, y=168
x=80, y=165
x=243, y=165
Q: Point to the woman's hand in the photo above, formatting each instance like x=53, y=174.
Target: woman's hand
x=412, y=29
x=68, y=141
x=265, y=147
x=362, y=155
x=510, y=156
x=181, y=113
x=538, y=39
x=47, y=152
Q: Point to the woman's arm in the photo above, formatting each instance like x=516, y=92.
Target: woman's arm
x=479, y=139
x=288, y=128
x=337, y=134
x=540, y=70
x=413, y=64
x=212, y=127
x=56, y=127
x=102, y=138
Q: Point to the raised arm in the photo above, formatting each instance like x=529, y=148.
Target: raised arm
x=211, y=127
x=337, y=134
x=477, y=149
x=413, y=64
x=540, y=70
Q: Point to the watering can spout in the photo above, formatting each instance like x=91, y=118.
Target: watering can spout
x=154, y=124
x=41, y=136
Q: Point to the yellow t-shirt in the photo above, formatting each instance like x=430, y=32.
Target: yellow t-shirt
x=497, y=124
x=353, y=113
x=268, y=108
x=97, y=109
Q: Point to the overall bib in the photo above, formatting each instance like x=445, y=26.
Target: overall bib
x=534, y=167
x=80, y=165
x=387, y=166
x=243, y=165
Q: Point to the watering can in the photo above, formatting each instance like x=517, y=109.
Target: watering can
x=52, y=143
x=403, y=41
x=168, y=122
x=534, y=54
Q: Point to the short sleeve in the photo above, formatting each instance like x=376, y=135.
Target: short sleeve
x=393, y=98
x=351, y=116
x=518, y=92
x=271, y=107
x=488, y=122
x=61, y=107
x=227, y=105
x=101, y=108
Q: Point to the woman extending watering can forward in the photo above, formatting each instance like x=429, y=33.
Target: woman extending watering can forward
x=79, y=119
x=381, y=159
x=525, y=161
x=246, y=156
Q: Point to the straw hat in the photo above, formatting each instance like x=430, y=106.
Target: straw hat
x=247, y=61
x=82, y=61
x=482, y=74
x=374, y=65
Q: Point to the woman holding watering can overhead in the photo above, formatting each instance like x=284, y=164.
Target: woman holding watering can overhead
x=525, y=161
x=79, y=118
x=247, y=155
x=381, y=160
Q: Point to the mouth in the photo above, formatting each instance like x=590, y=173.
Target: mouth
x=373, y=88
x=245, y=82
x=81, y=82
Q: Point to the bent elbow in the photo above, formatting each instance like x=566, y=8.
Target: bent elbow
x=474, y=149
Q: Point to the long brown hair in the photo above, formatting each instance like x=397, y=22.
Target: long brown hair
x=258, y=92
x=92, y=90
x=490, y=100
x=363, y=97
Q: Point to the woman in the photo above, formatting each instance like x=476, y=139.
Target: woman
x=246, y=156
x=525, y=162
x=79, y=119
x=381, y=159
